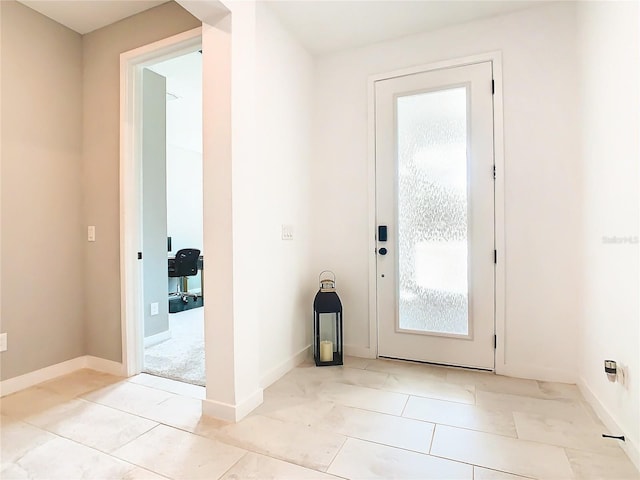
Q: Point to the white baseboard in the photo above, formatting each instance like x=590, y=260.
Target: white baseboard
x=536, y=373
x=281, y=370
x=152, y=340
x=15, y=384
x=629, y=447
x=105, y=366
x=357, y=351
x=232, y=413
x=30, y=379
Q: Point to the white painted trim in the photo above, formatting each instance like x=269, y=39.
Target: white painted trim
x=373, y=264
x=15, y=384
x=630, y=448
x=360, y=352
x=152, y=340
x=500, y=242
x=499, y=217
x=131, y=63
x=30, y=379
x=454, y=62
x=105, y=366
x=285, y=367
x=232, y=413
x=538, y=373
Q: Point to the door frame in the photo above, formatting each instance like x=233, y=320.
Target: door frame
x=499, y=209
x=131, y=64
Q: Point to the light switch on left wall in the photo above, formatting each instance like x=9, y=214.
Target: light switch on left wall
x=91, y=233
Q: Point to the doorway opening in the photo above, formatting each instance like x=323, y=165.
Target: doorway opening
x=144, y=210
x=172, y=219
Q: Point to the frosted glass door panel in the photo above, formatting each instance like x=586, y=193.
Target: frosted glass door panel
x=432, y=212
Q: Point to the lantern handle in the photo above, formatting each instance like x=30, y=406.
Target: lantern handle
x=327, y=271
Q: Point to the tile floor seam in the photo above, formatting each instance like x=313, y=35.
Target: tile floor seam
x=433, y=435
x=386, y=444
x=136, y=414
x=133, y=465
x=337, y=453
x=404, y=407
x=579, y=449
x=507, y=471
x=407, y=394
x=381, y=413
x=419, y=453
x=157, y=424
x=565, y=446
x=476, y=430
x=240, y=445
x=502, y=471
x=518, y=438
x=44, y=428
x=17, y=460
x=128, y=380
x=403, y=448
x=232, y=466
x=479, y=466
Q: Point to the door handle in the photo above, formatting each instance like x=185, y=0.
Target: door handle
x=382, y=251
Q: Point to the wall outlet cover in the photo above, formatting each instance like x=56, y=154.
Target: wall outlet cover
x=154, y=308
x=287, y=232
x=3, y=342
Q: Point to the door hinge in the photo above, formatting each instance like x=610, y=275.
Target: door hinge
x=139, y=255
x=494, y=172
x=493, y=87
x=495, y=256
x=495, y=342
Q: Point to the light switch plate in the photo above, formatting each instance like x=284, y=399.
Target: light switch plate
x=3, y=342
x=154, y=308
x=91, y=233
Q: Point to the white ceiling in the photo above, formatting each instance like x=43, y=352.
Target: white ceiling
x=85, y=16
x=322, y=26
x=325, y=26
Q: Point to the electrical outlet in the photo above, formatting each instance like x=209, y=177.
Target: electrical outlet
x=154, y=308
x=91, y=233
x=3, y=342
x=623, y=375
x=287, y=232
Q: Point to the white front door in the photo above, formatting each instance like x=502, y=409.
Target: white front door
x=435, y=206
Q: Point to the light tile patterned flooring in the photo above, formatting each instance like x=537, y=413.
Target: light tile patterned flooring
x=369, y=419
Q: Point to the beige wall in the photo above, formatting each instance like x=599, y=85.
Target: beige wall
x=101, y=57
x=60, y=157
x=42, y=231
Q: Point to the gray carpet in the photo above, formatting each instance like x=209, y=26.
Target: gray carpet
x=182, y=356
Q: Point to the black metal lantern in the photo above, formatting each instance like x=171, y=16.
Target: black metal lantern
x=327, y=322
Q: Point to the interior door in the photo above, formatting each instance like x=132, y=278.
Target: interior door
x=154, y=203
x=435, y=216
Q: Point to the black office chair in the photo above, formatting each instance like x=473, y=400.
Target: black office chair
x=184, y=266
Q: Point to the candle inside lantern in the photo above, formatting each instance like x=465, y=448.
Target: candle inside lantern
x=326, y=351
